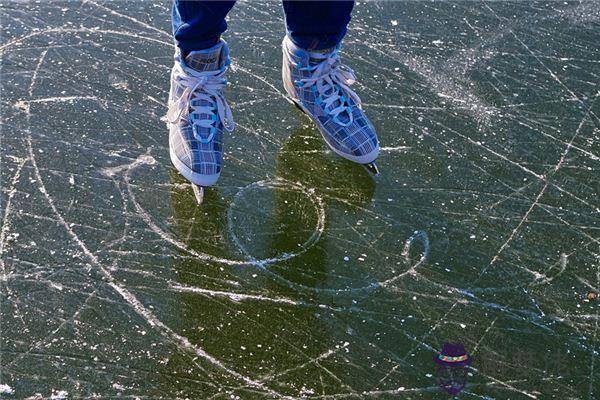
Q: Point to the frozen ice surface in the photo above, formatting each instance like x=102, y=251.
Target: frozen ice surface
x=302, y=276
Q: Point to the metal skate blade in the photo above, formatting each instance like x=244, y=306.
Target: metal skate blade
x=372, y=168
x=199, y=193
x=294, y=102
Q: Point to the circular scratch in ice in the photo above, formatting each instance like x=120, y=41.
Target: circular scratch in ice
x=146, y=159
x=423, y=238
x=281, y=184
x=417, y=235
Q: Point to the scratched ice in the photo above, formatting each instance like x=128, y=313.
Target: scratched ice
x=302, y=276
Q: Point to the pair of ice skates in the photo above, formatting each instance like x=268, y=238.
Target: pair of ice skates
x=316, y=82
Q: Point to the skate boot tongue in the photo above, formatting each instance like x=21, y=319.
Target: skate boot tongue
x=316, y=56
x=205, y=60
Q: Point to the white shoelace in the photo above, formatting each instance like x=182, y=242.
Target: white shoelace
x=201, y=86
x=331, y=76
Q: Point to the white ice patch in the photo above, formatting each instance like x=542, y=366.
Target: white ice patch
x=5, y=389
x=60, y=395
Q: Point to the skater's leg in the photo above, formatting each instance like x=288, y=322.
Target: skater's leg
x=317, y=81
x=198, y=25
x=317, y=25
x=198, y=114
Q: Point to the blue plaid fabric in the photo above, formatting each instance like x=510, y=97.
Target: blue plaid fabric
x=322, y=92
x=196, y=112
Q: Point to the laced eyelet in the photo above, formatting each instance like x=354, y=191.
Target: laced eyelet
x=200, y=138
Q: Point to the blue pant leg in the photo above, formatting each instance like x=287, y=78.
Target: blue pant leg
x=317, y=25
x=198, y=25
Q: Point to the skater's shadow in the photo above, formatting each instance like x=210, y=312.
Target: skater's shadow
x=305, y=159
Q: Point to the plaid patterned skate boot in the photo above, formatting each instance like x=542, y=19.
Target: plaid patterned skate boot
x=319, y=84
x=198, y=114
